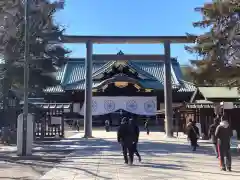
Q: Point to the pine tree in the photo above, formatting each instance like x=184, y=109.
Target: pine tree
x=46, y=51
x=219, y=46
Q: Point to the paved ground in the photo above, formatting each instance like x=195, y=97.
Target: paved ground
x=171, y=159
x=45, y=157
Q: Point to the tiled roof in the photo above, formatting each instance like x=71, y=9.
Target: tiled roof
x=186, y=86
x=104, y=68
x=60, y=73
x=75, y=71
x=177, y=69
x=80, y=85
x=149, y=84
x=156, y=69
x=54, y=89
x=72, y=76
x=144, y=74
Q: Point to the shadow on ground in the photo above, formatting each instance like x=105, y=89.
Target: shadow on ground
x=49, y=154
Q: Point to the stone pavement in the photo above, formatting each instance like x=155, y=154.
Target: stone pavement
x=169, y=159
x=45, y=157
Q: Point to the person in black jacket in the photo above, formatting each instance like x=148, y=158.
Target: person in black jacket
x=146, y=126
x=107, y=125
x=136, y=137
x=125, y=137
x=223, y=134
x=193, y=135
x=211, y=134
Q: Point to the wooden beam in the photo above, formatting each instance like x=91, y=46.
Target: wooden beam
x=128, y=39
x=134, y=57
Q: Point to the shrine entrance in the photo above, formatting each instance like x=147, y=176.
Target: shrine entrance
x=166, y=58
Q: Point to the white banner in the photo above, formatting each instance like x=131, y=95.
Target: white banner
x=76, y=107
x=136, y=105
x=56, y=120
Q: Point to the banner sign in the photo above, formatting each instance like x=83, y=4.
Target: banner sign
x=136, y=105
x=56, y=120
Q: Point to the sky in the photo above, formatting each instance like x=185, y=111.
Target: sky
x=130, y=17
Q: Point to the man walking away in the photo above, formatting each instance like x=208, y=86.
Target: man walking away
x=78, y=126
x=193, y=135
x=211, y=135
x=189, y=124
x=136, y=137
x=125, y=137
x=107, y=125
x=223, y=134
x=146, y=127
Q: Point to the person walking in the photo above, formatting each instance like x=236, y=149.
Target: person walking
x=78, y=126
x=193, y=135
x=211, y=135
x=223, y=135
x=146, y=127
x=136, y=137
x=189, y=124
x=107, y=125
x=187, y=128
x=125, y=136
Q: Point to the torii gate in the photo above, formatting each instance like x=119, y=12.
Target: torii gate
x=166, y=58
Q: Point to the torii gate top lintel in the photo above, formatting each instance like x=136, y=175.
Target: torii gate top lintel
x=128, y=39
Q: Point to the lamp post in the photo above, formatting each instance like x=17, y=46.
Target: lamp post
x=26, y=77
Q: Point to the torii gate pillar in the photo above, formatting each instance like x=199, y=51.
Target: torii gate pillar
x=168, y=90
x=88, y=91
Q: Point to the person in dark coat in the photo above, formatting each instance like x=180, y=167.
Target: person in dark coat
x=211, y=135
x=78, y=126
x=125, y=136
x=146, y=127
x=136, y=133
x=193, y=135
x=189, y=124
x=223, y=134
x=107, y=125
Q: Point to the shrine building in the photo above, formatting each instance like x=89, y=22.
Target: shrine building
x=120, y=88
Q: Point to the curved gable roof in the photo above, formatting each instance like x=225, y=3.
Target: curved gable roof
x=151, y=73
x=156, y=69
x=142, y=74
x=74, y=71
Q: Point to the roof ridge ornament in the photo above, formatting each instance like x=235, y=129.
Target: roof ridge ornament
x=120, y=53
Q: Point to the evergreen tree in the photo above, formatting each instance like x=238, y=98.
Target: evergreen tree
x=186, y=73
x=46, y=51
x=219, y=46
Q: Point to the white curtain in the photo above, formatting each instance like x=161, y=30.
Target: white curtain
x=135, y=104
